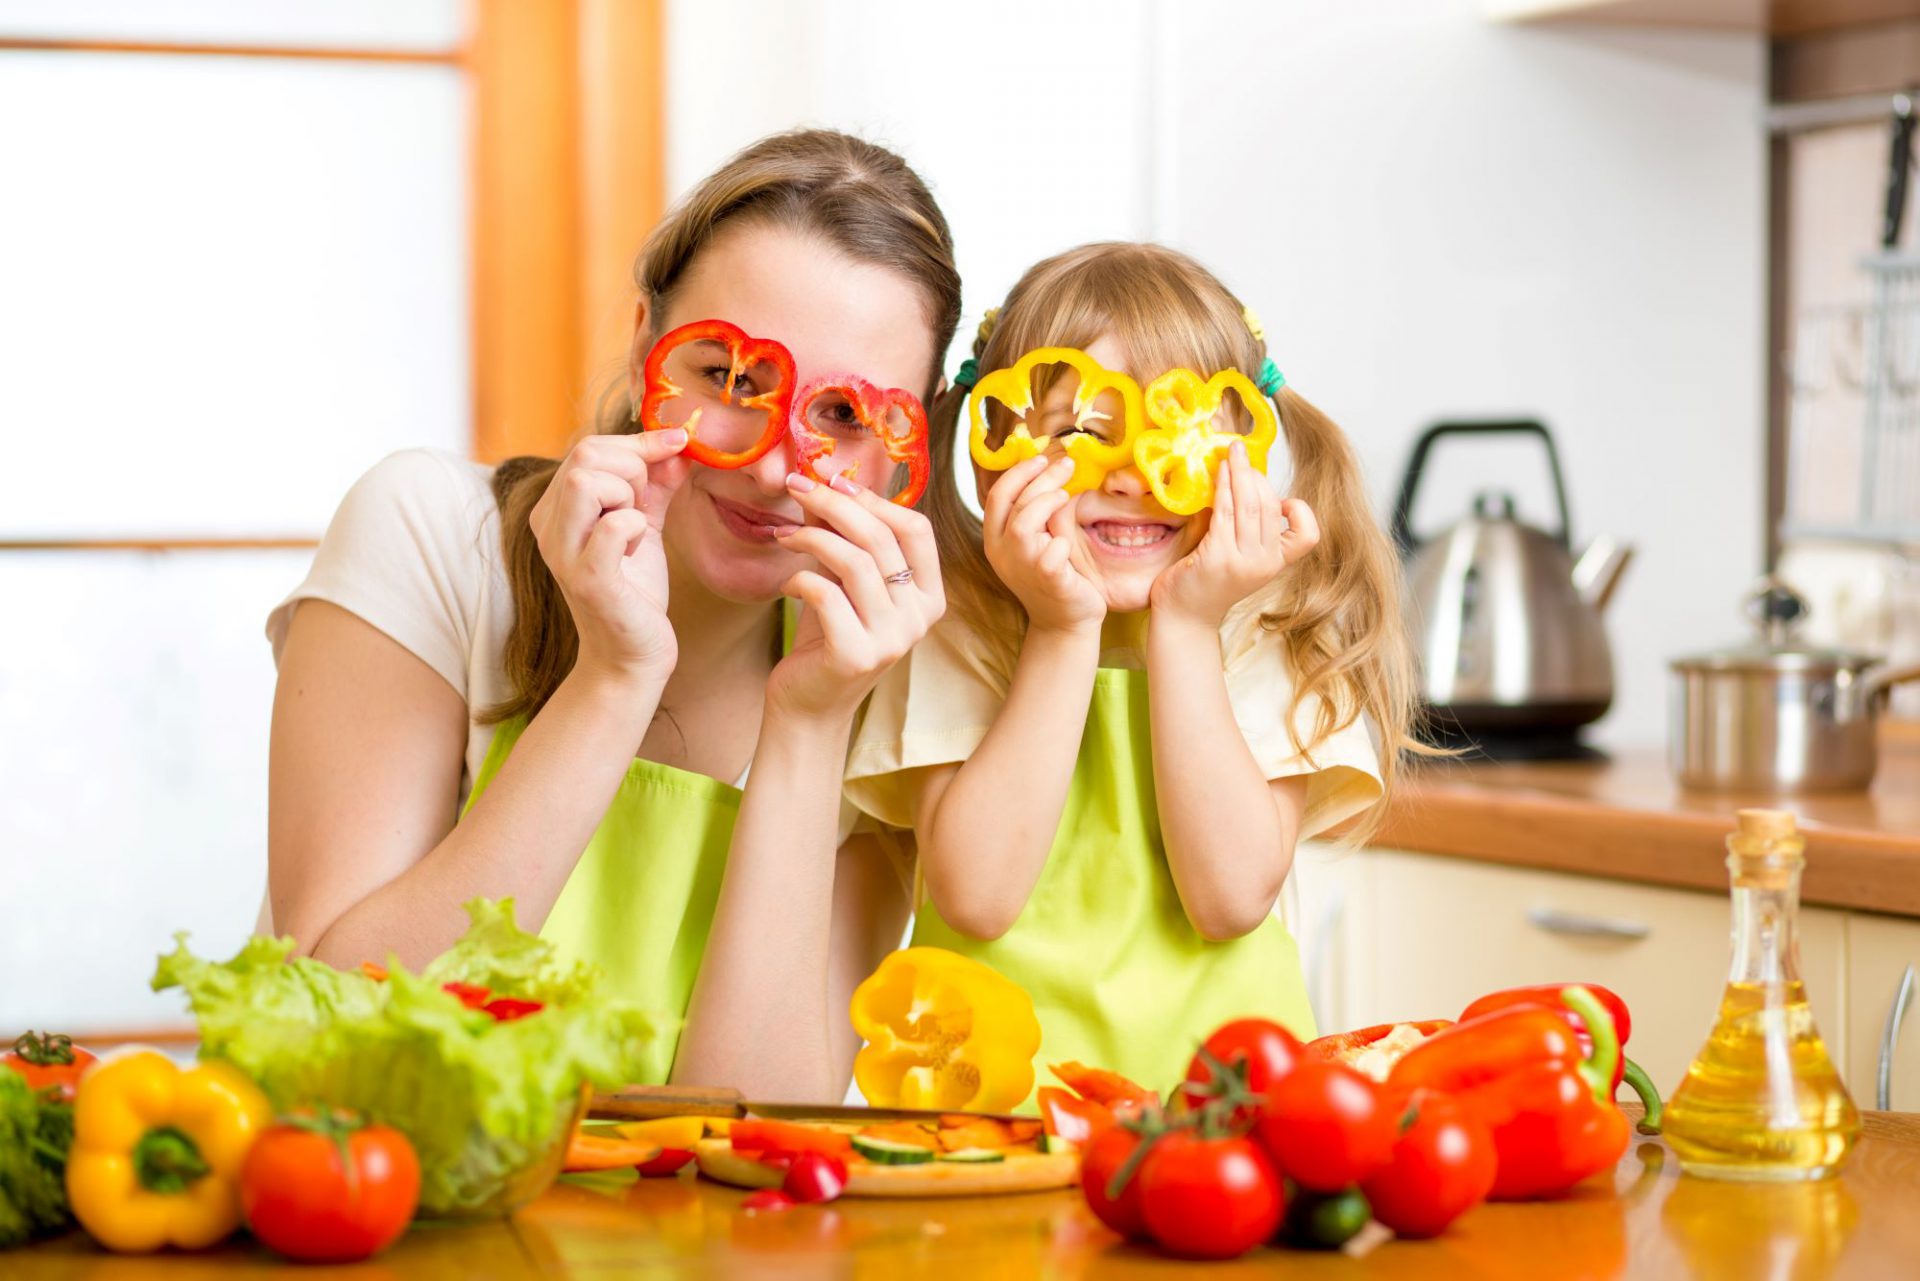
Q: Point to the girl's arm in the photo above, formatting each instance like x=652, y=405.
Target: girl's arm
x=985, y=828
x=797, y=913
x=1229, y=833
x=364, y=854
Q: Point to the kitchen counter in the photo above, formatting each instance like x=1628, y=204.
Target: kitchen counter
x=1650, y=1224
x=1628, y=819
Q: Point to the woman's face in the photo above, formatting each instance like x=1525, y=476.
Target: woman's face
x=836, y=315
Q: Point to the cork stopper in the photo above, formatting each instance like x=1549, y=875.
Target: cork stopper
x=1765, y=825
x=1765, y=849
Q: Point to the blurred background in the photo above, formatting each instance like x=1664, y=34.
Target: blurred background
x=252, y=246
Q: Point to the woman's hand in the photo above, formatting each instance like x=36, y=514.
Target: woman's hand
x=1027, y=524
x=598, y=529
x=876, y=594
x=1253, y=535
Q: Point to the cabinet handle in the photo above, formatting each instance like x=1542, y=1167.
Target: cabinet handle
x=1554, y=921
x=1883, y=1088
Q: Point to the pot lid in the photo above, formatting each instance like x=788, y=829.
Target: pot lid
x=1776, y=610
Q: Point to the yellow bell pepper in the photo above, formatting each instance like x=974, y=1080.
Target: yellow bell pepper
x=1012, y=386
x=943, y=1032
x=157, y=1151
x=1181, y=452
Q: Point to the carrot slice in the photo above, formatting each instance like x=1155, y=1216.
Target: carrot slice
x=591, y=1152
x=915, y=1133
x=977, y=1133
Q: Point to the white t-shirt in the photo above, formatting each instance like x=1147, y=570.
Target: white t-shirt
x=414, y=550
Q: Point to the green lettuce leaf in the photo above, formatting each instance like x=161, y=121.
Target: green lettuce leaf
x=486, y=1104
x=36, y=1132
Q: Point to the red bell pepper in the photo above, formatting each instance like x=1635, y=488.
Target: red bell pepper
x=1548, y=995
x=743, y=352
x=785, y=1137
x=1098, y=1085
x=868, y=413
x=1521, y=1070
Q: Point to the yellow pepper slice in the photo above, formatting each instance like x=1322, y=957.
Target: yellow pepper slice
x=1012, y=386
x=1181, y=452
x=157, y=1151
x=943, y=1032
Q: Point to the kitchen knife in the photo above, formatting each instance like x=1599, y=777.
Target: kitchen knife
x=647, y=1102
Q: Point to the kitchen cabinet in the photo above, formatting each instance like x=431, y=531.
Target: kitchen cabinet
x=1777, y=18
x=1391, y=935
x=1880, y=949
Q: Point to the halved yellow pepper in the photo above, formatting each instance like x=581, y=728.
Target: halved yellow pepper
x=1181, y=452
x=1092, y=457
x=157, y=1151
x=943, y=1032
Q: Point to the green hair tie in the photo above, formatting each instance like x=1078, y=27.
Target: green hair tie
x=969, y=374
x=1271, y=379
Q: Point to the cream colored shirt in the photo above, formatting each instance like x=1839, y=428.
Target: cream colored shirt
x=934, y=707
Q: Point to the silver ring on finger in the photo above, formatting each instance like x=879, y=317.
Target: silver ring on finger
x=900, y=579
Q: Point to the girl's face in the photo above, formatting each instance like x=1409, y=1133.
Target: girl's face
x=1123, y=537
x=836, y=315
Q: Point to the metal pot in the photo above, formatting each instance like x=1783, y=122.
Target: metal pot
x=1774, y=715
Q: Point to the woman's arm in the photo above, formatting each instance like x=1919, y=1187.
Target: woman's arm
x=1229, y=833
x=365, y=762
x=364, y=854
x=787, y=929
x=979, y=874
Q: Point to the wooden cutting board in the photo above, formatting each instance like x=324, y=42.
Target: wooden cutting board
x=1020, y=1172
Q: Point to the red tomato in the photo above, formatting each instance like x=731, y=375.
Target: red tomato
x=1326, y=1126
x=1209, y=1198
x=48, y=1060
x=1067, y=1116
x=1268, y=1050
x=1443, y=1165
x=1102, y=1160
x=815, y=1176
x=670, y=1161
x=304, y=1201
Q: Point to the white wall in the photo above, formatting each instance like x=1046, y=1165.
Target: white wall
x=1436, y=217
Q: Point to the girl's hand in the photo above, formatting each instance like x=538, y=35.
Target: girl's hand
x=1253, y=535
x=598, y=529
x=1028, y=529
x=879, y=593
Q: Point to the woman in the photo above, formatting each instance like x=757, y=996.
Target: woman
x=546, y=682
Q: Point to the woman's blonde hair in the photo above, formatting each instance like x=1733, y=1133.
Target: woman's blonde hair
x=1336, y=613
x=860, y=198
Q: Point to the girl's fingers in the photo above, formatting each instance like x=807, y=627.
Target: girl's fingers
x=1223, y=525
x=851, y=565
x=1303, y=529
x=839, y=625
x=1039, y=514
x=1012, y=483
x=1248, y=501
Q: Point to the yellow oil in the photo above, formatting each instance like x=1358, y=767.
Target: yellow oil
x=1762, y=1099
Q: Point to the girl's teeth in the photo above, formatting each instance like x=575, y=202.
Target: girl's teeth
x=1132, y=535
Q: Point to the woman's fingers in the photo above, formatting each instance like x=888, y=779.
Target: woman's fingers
x=839, y=625
x=580, y=496
x=616, y=536
x=912, y=534
x=853, y=566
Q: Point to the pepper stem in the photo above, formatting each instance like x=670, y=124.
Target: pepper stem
x=1597, y=1068
x=1642, y=1084
x=167, y=1161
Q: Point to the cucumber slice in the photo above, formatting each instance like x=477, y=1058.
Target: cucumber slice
x=975, y=1156
x=1053, y=1143
x=888, y=1152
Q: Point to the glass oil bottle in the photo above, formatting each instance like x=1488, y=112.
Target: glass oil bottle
x=1762, y=1099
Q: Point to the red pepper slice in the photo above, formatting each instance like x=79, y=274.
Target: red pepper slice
x=471, y=995
x=505, y=1009
x=1071, y=1118
x=1099, y=1085
x=1342, y=1047
x=765, y=1200
x=670, y=1161
x=872, y=412
x=784, y=1136
x=743, y=352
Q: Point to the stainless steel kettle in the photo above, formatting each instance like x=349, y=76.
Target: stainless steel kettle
x=1506, y=621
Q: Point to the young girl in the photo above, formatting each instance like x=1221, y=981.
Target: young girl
x=548, y=680
x=1110, y=748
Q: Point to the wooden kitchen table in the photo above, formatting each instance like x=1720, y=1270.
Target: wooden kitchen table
x=1651, y=1223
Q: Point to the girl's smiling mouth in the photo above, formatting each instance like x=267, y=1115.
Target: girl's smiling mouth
x=1129, y=537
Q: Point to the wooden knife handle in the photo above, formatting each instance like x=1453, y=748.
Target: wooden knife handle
x=647, y=1102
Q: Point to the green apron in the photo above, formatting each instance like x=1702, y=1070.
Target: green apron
x=640, y=902
x=1118, y=975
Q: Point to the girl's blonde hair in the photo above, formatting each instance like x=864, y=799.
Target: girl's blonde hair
x=1337, y=612
x=860, y=198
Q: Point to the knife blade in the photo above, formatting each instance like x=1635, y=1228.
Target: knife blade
x=648, y=1102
